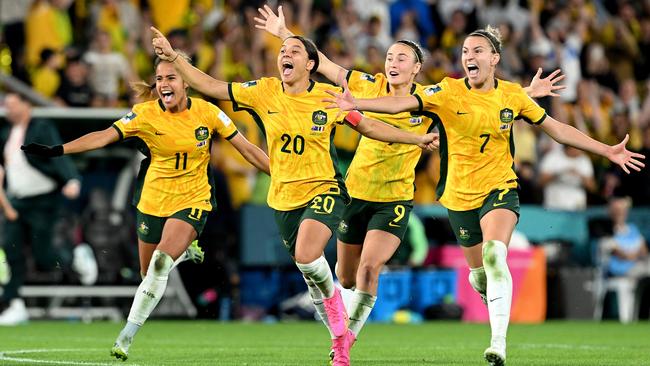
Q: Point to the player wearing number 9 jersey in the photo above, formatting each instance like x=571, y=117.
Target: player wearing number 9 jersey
x=307, y=191
x=174, y=191
x=478, y=183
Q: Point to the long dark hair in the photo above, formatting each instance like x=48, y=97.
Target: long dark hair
x=312, y=51
x=147, y=91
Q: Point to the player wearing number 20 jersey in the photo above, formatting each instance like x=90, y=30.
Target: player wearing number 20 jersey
x=175, y=175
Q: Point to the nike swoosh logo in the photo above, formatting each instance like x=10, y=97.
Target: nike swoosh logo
x=496, y=298
x=499, y=204
x=461, y=113
x=393, y=225
x=271, y=112
x=159, y=133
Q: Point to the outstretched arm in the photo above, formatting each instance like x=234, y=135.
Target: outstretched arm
x=275, y=25
x=383, y=132
x=568, y=135
x=252, y=153
x=196, y=78
x=90, y=141
x=346, y=102
x=539, y=87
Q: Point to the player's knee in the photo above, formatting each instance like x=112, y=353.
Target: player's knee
x=161, y=264
x=347, y=281
x=369, y=272
x=494, y=252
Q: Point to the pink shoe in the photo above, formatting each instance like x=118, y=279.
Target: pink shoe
x=341, y=347
x=336, y=314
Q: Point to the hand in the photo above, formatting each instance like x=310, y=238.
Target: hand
x=344, y=101
x=43, y=150
x=624, y=158
x=71, y=189
x=544, y=87
x=162, y=47
x=272, y=23
x=11, y=214
x=430, y=141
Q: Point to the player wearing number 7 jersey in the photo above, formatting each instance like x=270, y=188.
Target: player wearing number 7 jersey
x=307, y=191
x=478, y=184
x=174, y=190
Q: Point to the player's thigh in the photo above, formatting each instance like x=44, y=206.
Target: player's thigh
x=499, y=215
x=319, y=221
x=467, y=228
x=180, y=229
x=354, y=222
x=378, y=248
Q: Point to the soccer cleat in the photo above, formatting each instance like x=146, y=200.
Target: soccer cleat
x=495, y=356
x=85, y=264
x=341, y=349
x=194, y=252
x=331, y=357
x=15, y=314
x=336, y=314
x=119, y=353
x=5, y=271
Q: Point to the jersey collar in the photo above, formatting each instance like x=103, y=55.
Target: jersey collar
x=469, y=87
x=413, y=87
x=309, y=88
x=162, y=106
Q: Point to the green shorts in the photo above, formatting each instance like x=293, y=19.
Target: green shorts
x=150, y=227
x=467, y=224
x=362, y=216
x=325, y=208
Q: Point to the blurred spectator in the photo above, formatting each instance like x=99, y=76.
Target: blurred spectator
x=119, y=18
x=373, y=37
x=625, y=256
x=107, y=69
x=33, y=189
x=169, y=14
x=566, y=174
x=46, y=78
x=47, y=26
x=421, y=15
x=75, y=90
x=636, y=184
x=12, y=18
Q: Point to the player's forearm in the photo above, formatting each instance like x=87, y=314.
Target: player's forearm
x=200, y=81
x=91, y=141
x=258, y=158
x=390, y=105
x=381, y=131
x=569, y=135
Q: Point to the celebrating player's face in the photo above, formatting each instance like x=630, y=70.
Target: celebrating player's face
x=293, y=62
x=170, y=86
x=401, y=65
x=479, y=60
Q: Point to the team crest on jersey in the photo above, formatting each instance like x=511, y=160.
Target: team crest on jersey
x=368, y=77
x=343, y=227
x=128, y=118
x=249, y=84
x=415, y=121
x=143, y=228
x=202, y=133
x=319, y=118
x=506, y=115
x=463, y=233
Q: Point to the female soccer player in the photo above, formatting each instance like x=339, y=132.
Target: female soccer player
x=380, y=178
x=478, y=185
x=307, y=191
x=174, y=185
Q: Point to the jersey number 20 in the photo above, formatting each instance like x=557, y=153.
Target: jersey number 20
x=298, y=144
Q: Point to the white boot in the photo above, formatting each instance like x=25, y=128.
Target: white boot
x=15, y=314
x=84, y=264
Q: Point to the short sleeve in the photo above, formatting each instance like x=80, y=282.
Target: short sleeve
x=529, y=110
x=222, y=124
x=131, y=123
x=363, y=85
x=245, y=95
x=431, y=97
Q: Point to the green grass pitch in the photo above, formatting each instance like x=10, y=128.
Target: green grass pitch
x=305, y=343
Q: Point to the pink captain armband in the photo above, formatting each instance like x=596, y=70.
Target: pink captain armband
x=354, y=117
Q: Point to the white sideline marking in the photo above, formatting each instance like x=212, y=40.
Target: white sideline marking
x=561, y=346
x=4, y=357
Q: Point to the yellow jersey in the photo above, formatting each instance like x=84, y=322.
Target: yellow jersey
x=298, y=131
x=175, y=175
x=381, y=171
x=476, y=140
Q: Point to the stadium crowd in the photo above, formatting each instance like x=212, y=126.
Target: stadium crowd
x=84, y=53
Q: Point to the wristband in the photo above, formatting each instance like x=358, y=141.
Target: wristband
x=354, y=117
x=172, y=61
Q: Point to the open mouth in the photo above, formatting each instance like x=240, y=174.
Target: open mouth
x=287, y=68
x=393, y=73
x=472, y=70
x=167, y=95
